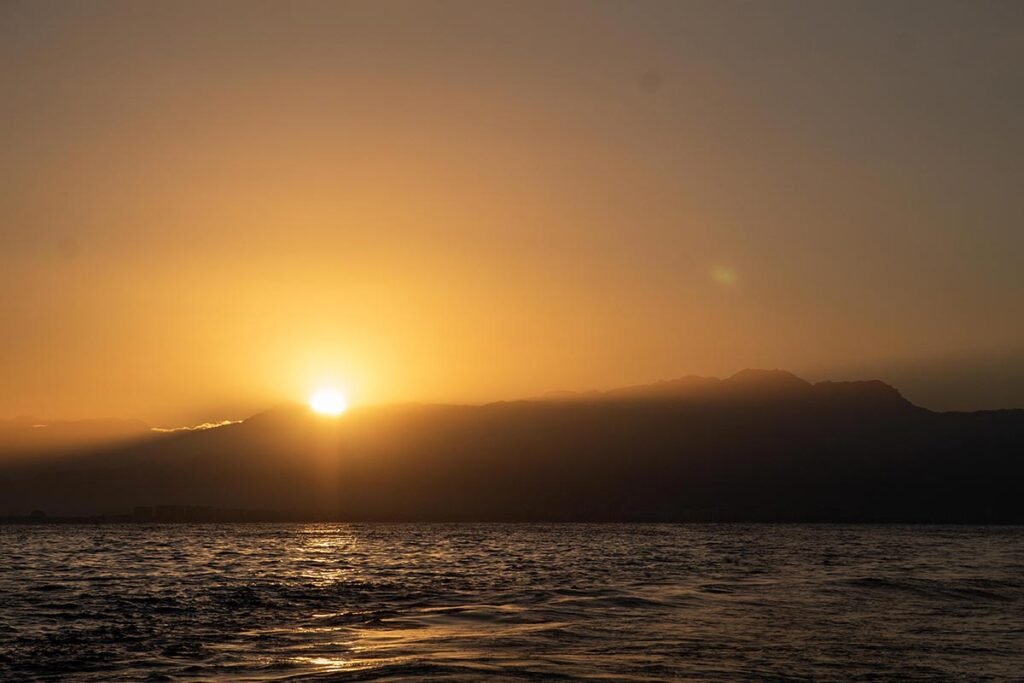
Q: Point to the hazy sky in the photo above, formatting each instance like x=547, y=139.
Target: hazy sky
x=209, y=207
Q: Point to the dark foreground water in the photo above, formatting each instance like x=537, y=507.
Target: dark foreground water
x=511, y=602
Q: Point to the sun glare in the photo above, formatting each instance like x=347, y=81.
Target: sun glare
x=328, y=402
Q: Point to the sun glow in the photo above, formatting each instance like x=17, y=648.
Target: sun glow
x=328, y=402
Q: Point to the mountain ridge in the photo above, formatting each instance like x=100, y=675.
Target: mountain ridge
x=759, y=446
x=749, y=381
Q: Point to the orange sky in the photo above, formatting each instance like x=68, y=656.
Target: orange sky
x=211, y=207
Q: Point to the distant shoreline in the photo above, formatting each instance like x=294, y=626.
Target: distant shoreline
x=268, y=517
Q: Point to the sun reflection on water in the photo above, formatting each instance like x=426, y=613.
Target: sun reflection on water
x=325, y=663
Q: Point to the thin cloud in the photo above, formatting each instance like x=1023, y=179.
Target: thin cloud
x=196, y=428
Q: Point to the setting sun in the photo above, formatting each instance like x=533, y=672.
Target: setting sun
x=328, y=402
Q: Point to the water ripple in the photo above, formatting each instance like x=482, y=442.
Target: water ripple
x=342, y=602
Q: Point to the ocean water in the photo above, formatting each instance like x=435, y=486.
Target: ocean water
x=510, y=602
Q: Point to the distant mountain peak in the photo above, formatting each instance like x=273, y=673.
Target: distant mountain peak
x=745, y=382
x=760, y=374
x=774, y=379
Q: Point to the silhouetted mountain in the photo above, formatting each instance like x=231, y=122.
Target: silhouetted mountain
x=761, y=445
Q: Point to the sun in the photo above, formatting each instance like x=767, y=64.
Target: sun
x=328, y=402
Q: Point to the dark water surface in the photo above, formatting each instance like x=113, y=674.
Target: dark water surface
x=511, y=602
